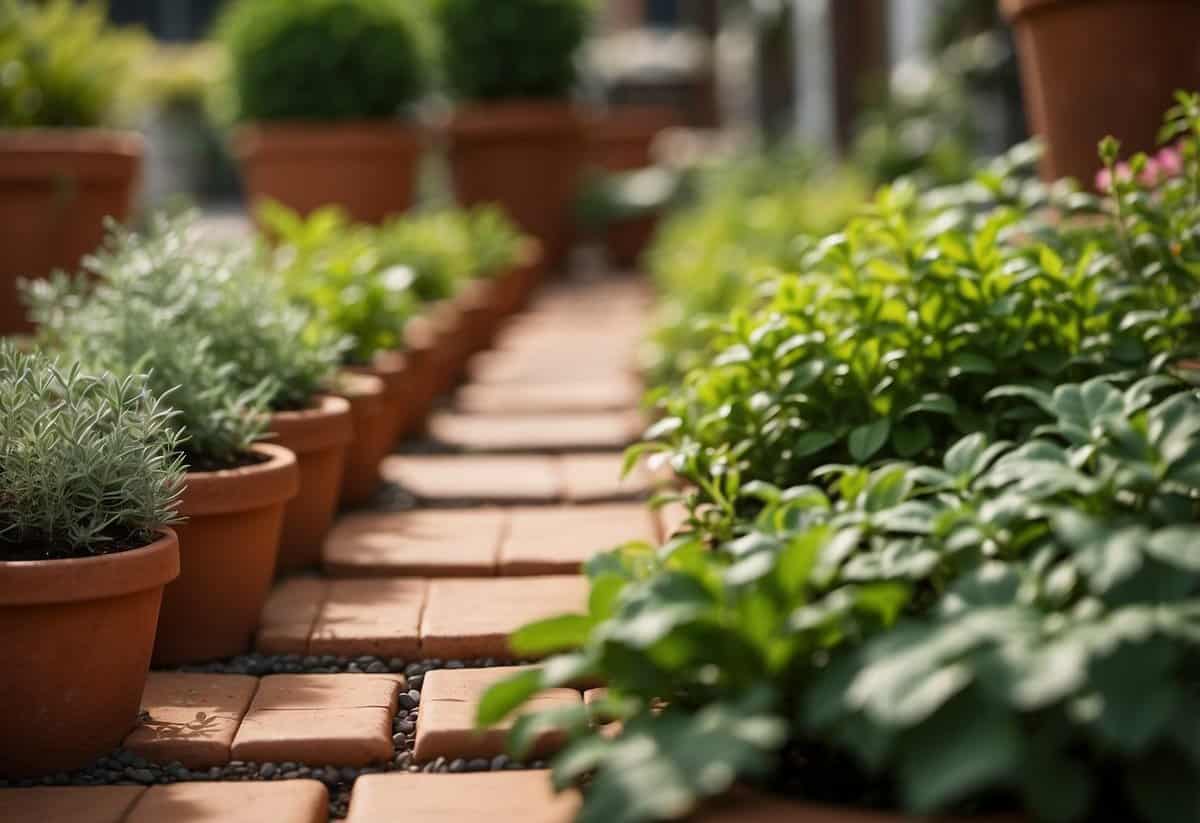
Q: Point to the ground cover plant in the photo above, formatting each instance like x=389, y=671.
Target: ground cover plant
x=88, y=463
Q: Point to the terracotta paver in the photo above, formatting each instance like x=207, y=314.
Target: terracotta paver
x=535, y=432
x=290, y=801
x=467, y=619
x=589, y=478
x=672, y=518
x=370, y=617
x=494, y=797
x=613, y=394
x=320, y=719
x=559, y=540
x=75, y=804
x=192, y=717
x=446, y=723
x=425, y=543
x=552, y=365
x=288, y=617
x=482, y=478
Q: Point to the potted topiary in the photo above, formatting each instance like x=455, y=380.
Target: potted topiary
x=1140, y=51
x=90, y=477
x=153, y=305
x=61, y=174
x=515, y=139
x=324, y=89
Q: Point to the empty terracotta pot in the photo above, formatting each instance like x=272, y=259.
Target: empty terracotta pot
x=1091, y=68
x=370, y=415
x=369, y=168
x=227, y=551
x=57, y=186
x=77, y=637
x=621, y=139
x=525, y=156
x=319, y=437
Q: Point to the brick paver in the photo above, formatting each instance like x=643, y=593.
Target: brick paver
x=421, y=543
x=329, y=719
x=370, y=617
x=613, y=394
x=93, y=804
x=449, y=700
x=535, y=432
x=289, y=615
x=495, y=797
x=560, y=540
x=588, y=478
x=294, y=801
x=479, y=478
x=467, y=619
x=191, y=718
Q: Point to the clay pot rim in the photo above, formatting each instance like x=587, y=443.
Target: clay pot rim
x=358, y=384
x=385, y=365
x=631, y=123
x=485, y=121
x=326, y=424
x=316, y=137
x=1015, y=9
x=89, y=155
x=244, y=488
x=82, y=579
x=73, y=141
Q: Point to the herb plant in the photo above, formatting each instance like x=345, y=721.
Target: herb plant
x=518, y=49
x=88, y=464
x=323, y=60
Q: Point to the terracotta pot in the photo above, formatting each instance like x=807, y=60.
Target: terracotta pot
x=319, y=437
x=77, y=637
x=369, y=168
x=227, y=550
x=477, y=305
x=526, y=156
x=621, y=139
x=56, y=189
x=1138, y=53
x=450, y=356
x=371, y=417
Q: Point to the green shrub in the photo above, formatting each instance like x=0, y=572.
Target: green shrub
x=495, y=241
x=64, y=66
x=211, y=326
x=511, y=50
x=88, y=464
x=325, y=59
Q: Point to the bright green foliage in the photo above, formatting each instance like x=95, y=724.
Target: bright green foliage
x=212, y=327
x=495, y=241
x=511, y=50
x=86, y=463
x=1012, y=627
x=61, y=64
x=325, y=60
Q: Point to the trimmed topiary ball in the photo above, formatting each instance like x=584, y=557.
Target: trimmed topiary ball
x=325, y=60
x=512, y=49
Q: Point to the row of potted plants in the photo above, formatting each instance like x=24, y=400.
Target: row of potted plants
x=941, y=554
x=237, y=391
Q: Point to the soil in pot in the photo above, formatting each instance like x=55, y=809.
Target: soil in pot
x=1139, y=52
x=368, y=168
x=319, y=437
x=227, y=548
x=77, y=635
x=372, y=421
x=527, y=157
x=57, y=186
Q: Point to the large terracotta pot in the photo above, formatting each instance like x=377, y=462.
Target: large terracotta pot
x=369, y=168
x=227, y=550
x=1091, y=68
x=621, y=139
x=56, y=189
x=319, y=437
x=77, y=637
x=526, y=156
x=372, y=419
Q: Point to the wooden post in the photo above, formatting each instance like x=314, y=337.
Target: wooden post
x=860, y=60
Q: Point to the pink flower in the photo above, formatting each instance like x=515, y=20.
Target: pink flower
x=1170, y=161
x=1104, y=178
x=1151, y=175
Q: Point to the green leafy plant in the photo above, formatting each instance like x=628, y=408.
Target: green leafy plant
x=88, y=464
x=1012, y=628
x=325, y=59
x=211, y=327
x=511, y=50
x=64, y=65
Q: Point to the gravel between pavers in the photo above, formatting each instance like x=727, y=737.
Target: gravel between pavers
x=126, y=768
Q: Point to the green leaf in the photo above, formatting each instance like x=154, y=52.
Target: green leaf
x=553, y=634
x=811, y=442
x=933, y=403
x=867, y=440
x=962, y=455
x=528, y=729
x=1178, y=546
x=911, y=439
x=504, y=697
x=971, y=363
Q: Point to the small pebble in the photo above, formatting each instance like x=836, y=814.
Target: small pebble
x=458, y=765
x=409, y=699
x=377, y=667
x=499, y=762
x=405, y=726
x=267, y=771
x=479, y=764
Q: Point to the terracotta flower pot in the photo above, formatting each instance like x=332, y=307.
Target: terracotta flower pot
x=227, y=550
x=77, y=637
x=401, y=377
x=371, y=416
x=369, y=168
x=449, y=345
x=477, y=304
x=56, y=189
x=526, y=156
x=621, y=139
x=319, y=437
x=1138, y=52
